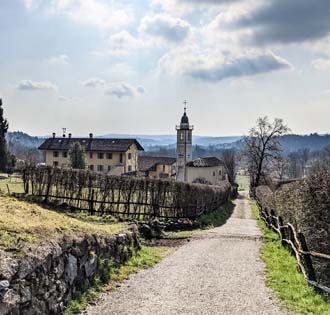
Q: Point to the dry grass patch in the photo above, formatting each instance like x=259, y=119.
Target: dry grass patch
x=24, y=223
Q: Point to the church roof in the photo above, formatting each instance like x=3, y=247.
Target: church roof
x=147, y=163
x=184, y=119
x=205, y=162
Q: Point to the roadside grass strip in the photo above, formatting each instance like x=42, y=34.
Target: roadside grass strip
x=284, y=277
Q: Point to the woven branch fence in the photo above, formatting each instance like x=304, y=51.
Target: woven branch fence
x=133, y=197
x=297, y=245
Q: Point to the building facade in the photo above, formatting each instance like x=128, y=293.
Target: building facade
x=183, y=147
x=157, y=167
x=207, y=170
x=112, y=156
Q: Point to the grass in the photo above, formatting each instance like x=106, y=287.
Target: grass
x=284, y=277
x=216, y=218
x=243, y=182
x=23, y=223
x=147, y=257
x=180, y=234
x=14, y=184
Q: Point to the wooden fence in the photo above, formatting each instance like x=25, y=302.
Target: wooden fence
x=133, y=197
x=296, y=243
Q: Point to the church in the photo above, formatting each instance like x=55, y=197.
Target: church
x=205, y=170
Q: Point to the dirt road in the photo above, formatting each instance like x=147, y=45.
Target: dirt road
x=218, y=273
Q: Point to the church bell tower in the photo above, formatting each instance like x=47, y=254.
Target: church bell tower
x=183, y=146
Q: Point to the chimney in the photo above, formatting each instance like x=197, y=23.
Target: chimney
x=54, y=134
x=91, y=136
x=70, y=135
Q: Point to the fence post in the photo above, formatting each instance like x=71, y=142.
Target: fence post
x=91, y=203
x=307, y=258
x=282, y=229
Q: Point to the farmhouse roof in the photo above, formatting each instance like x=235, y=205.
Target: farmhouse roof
x=205, y=162
x=147, y=163
x=90, y=144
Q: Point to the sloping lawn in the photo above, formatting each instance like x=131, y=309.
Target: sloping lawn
x=23, y=223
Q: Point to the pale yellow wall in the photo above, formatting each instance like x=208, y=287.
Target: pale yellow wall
x=160, y=169
x=206, y=173
x=116, y=166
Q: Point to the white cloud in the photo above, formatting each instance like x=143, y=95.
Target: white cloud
x=165, y=27
x=123, y=43
x=59, y=60
x=123, y=89
x=118, y=89
x=321, y=64
x=29, y=85
x=140, y=89
x=98, y=13
x=215, y=66
x=69, y=99
x=94, y=82
x=183, y=7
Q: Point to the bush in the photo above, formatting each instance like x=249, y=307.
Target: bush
x=306, y=205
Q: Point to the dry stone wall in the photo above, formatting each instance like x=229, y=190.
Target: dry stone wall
x=45, y=281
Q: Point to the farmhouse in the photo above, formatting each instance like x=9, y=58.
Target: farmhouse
x=113, y=156
x=206, y=170
x=157, y=167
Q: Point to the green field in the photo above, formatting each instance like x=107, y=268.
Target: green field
x=243, y=182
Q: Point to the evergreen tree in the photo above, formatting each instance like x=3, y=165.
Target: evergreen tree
x=3, y=145
x=77, y=156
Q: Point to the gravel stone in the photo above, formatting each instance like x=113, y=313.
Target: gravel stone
x=218, y=272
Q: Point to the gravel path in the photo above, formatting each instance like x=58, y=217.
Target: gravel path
x=218, y=273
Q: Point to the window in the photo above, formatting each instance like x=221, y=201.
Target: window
x=219, y=172
x=181, y=135
x=90, y=155
x=91, y=168
x=213, y=173
x=188, y=136
x=130, y=168
x=65, y=154
x=109, y=156
x=100, y=155
x=121, y=158
x=55, y=164
x=109, y=168
x=100, y=168
x=164, y=169
x=55, y=154
x=129, y=156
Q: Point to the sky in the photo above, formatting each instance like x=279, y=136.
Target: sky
x=110, y=66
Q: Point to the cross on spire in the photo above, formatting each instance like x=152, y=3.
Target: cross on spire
x=185, y=106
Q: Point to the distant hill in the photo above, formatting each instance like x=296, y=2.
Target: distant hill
x=19, y=140
x=292, y=143
x=24, y=139
x=314, y=142
x=170, y=140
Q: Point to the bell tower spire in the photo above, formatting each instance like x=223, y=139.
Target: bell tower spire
x=183, y=145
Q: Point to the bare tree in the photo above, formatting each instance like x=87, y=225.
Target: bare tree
x=281, y=167
x=229, y=159
x=263, y=145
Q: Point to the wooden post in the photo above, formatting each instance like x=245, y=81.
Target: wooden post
x=307, y=258
x=91, y=203
x=282, y=229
